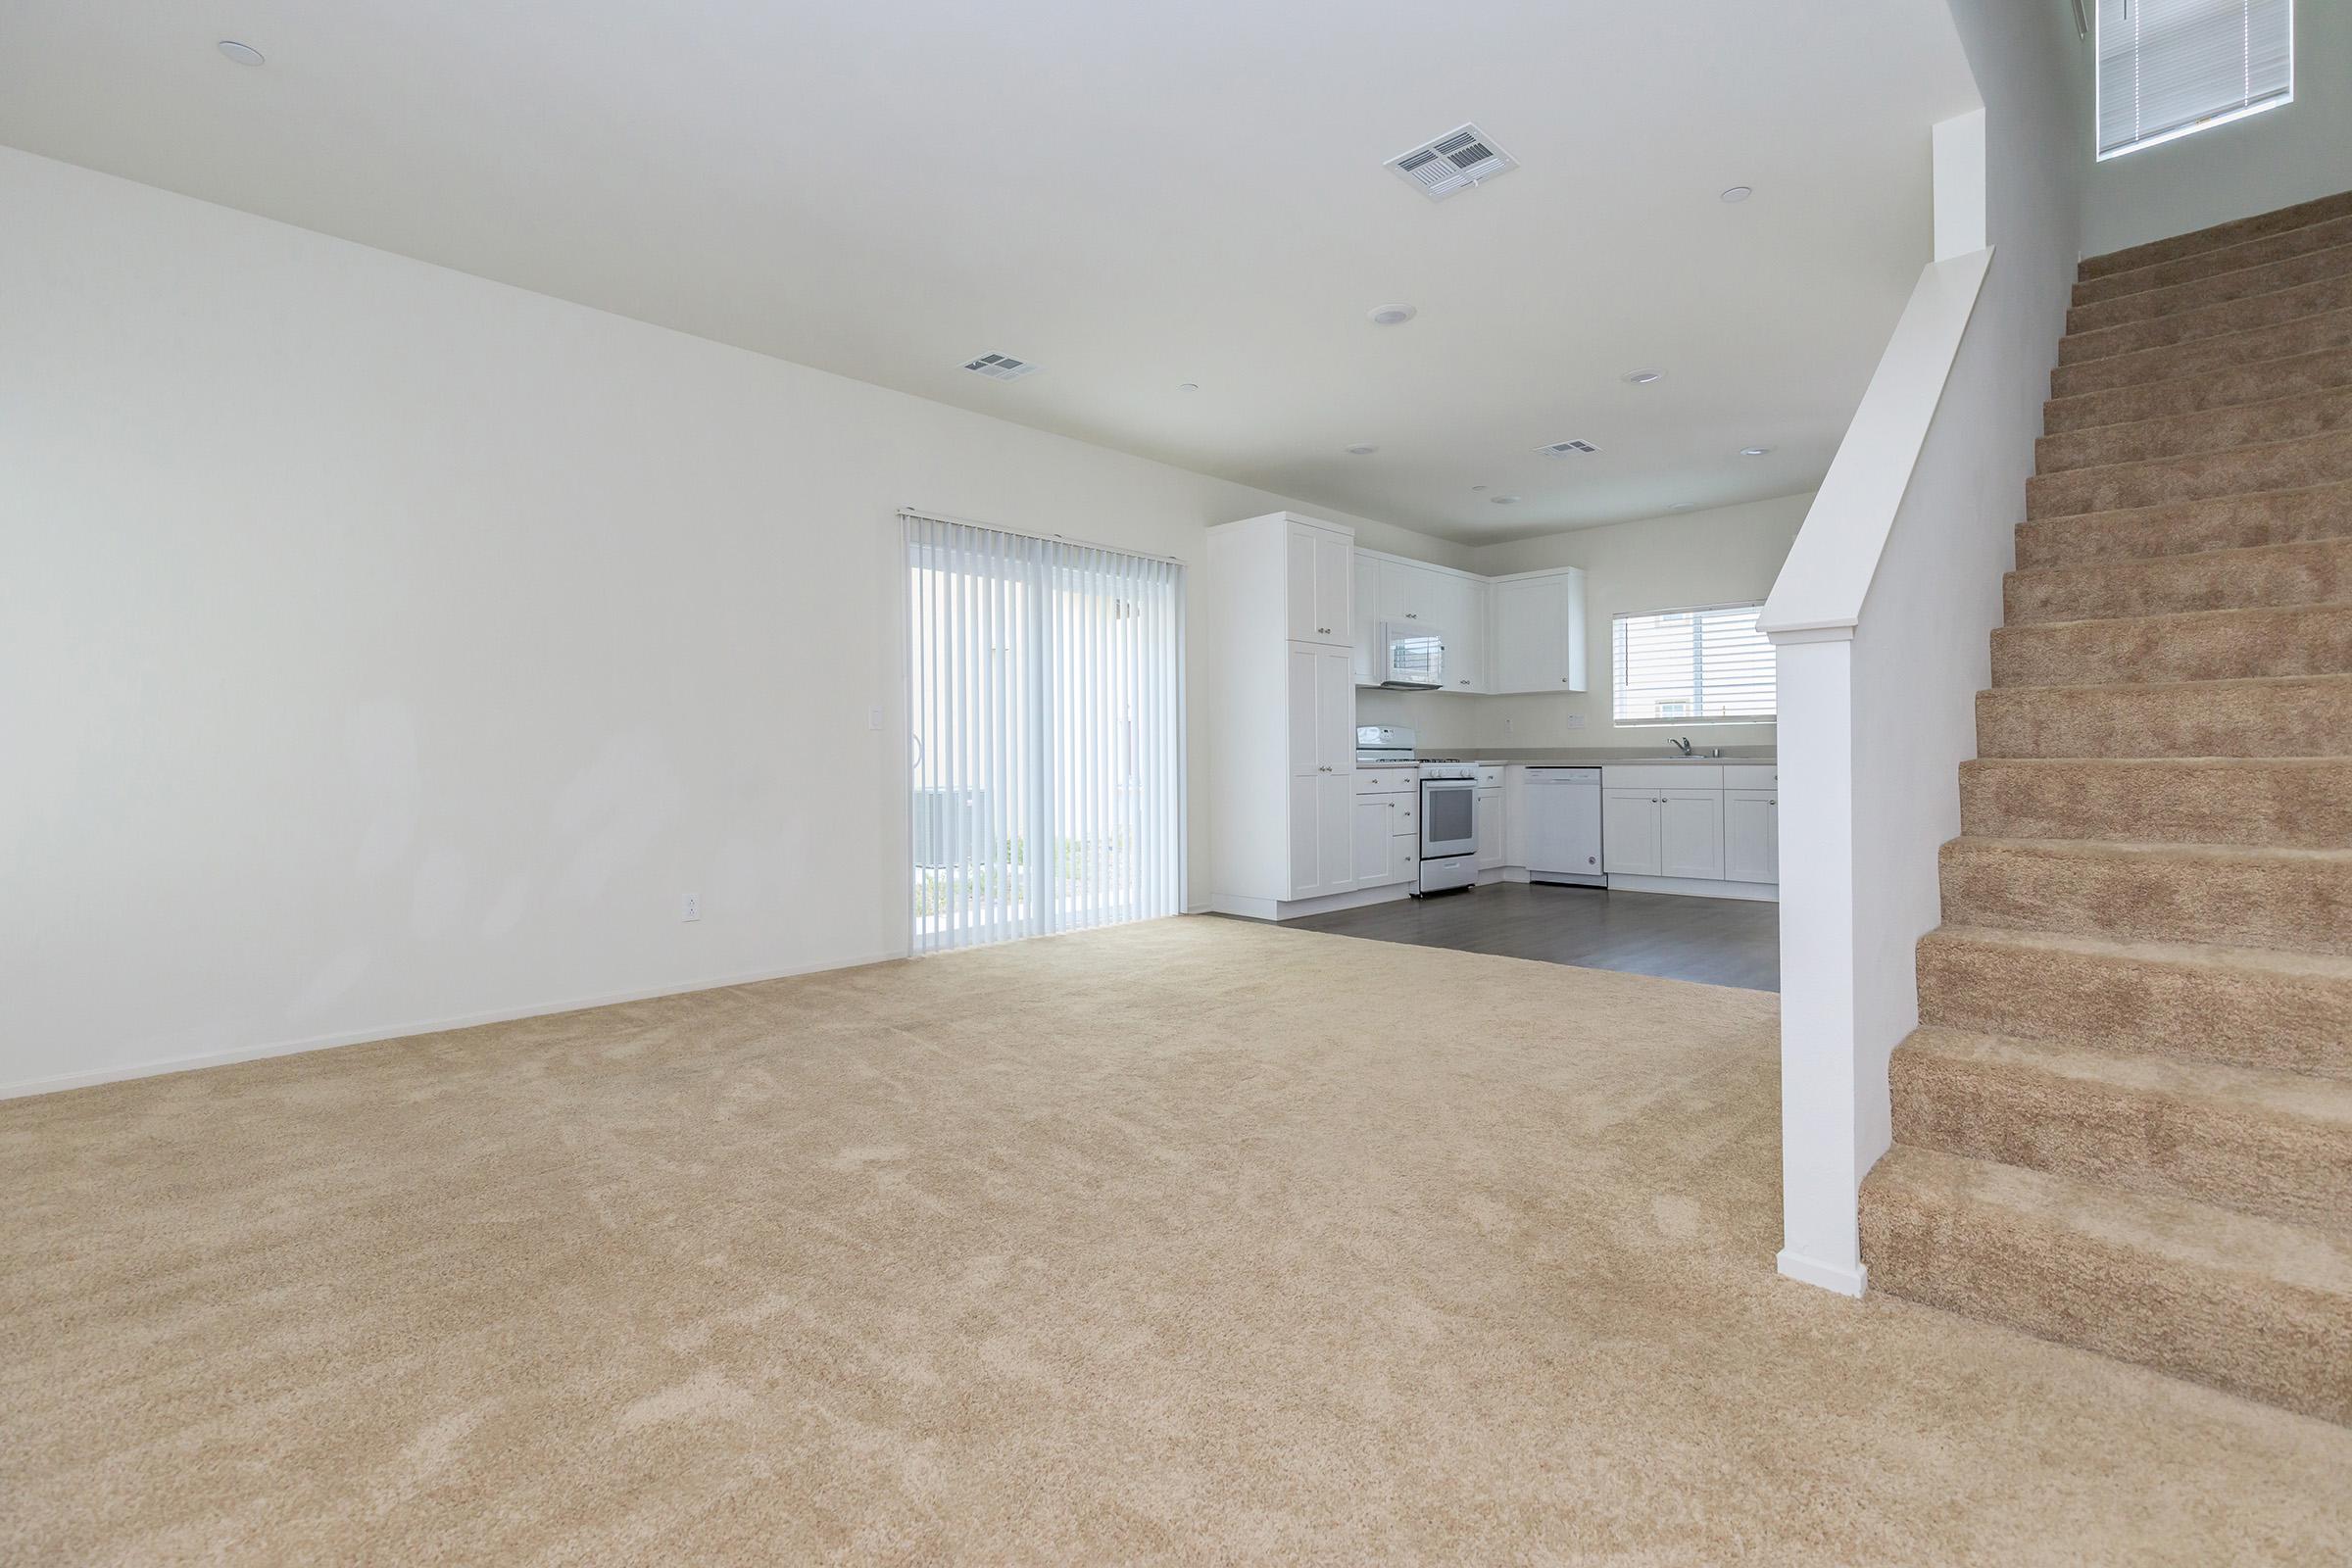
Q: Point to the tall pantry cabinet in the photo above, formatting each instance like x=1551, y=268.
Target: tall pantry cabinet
x=1281, y=713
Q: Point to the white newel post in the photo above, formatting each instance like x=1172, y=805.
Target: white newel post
x=1821, y=1164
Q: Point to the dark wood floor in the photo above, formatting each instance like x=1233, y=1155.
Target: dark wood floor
x=1722, y=942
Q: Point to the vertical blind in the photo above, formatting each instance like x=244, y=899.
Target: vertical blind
x=2166, y=67
x=1047, y=698
x=1674, y=665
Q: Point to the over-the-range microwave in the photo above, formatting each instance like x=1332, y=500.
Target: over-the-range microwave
x=1409, y=655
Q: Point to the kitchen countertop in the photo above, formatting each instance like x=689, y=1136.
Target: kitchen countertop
x=1751, y=756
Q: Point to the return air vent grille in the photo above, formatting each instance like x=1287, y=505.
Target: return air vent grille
x=1567, y=449
x=999, y=366
x=1454, y=162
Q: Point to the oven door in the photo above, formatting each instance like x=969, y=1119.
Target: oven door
x=1448, y=825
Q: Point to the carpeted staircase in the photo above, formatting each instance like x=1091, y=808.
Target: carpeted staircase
x=2126, y=1118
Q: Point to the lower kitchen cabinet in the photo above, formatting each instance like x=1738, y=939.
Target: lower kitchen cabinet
x=1376, y=829
x=1691, y=833
x=1692, y=824
x=1751, y=835
x=1322, y=834
x=1486, y=822
x=1629, y=832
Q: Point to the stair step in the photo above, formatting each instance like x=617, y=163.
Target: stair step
x=2287, y=715
x=2252, y=896
x=2218, y=236
x=2205, y=645
x=2290, y=465
x=2233, y=387
x=2274, y=1143
x=2313, y=571
x=2325, y=234
x=2246, y=1006
x=2178, y=435
x=2330, y=329
x=2252, y=1305
x=2215, y=288
x=2289, y=303
x=2187, y=527
x=2301, y=801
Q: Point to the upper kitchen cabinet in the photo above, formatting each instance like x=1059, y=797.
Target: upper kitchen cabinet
x=1320, y=583
x=1538, y=633
x=1434, y=599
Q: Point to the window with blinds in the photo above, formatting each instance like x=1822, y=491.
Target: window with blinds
x=1692, y=667
x=2168, y=67
x=1047, y=696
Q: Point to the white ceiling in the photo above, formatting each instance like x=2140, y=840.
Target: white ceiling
x=1129, y=195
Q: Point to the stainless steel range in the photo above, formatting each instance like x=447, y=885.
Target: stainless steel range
x=1449, y=857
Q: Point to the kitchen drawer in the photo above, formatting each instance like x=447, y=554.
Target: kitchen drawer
x=1387, y=780
x=1752, y=778
x=1490, y=778
x=1663, y=776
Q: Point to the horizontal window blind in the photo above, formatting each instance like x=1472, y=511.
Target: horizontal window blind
x=2169, y=67
x=1675, y=666
x=1047, y=696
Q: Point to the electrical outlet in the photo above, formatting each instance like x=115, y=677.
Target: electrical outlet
x=873, y=719
x=1576, y=722
x=693, y=907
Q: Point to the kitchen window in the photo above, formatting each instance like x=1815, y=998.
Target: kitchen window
x=1703, y=666
x=2171, y=68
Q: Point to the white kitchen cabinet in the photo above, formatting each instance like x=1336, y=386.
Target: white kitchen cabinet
x=1751, y=835
x=1537, y=631
x=1319, y=585
x=1405, y=857
x=1321, y=711
x=1279, y=710
x=1691, y=833
x=1408, y=591
x=1487, y=820
x=1629, y=832
x=1461, y=614
x=1375, y=825
x=1367, y=617
x=1322, y=836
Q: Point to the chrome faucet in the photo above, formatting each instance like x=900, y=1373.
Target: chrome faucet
x=1682, y=743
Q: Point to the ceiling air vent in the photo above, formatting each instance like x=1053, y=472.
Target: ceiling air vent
x=999, y=366
x=1567, y=449
x=1454, y=162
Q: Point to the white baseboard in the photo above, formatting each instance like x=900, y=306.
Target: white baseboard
x=1699, y=887
x=1845, y=1279
x=424, y=1026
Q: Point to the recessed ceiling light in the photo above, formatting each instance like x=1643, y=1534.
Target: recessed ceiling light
x=244, y=53
x=1477, y=488
x=1188, y=386
x=1737, y=193
x=1754, y=452
x=1643, y=378
x=1362, y=449
x=1505, y=501
x=1391, y=315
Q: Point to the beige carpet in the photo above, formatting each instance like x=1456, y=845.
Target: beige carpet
x=1194, y=1241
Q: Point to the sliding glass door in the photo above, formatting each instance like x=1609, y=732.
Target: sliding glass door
x=1047, y=709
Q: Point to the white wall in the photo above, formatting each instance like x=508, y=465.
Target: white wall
x=1877, y=690
x=1725, y=554
x=382, y=647
x=2267, y=161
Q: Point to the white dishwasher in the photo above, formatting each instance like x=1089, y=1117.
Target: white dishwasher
x=1563, y=825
